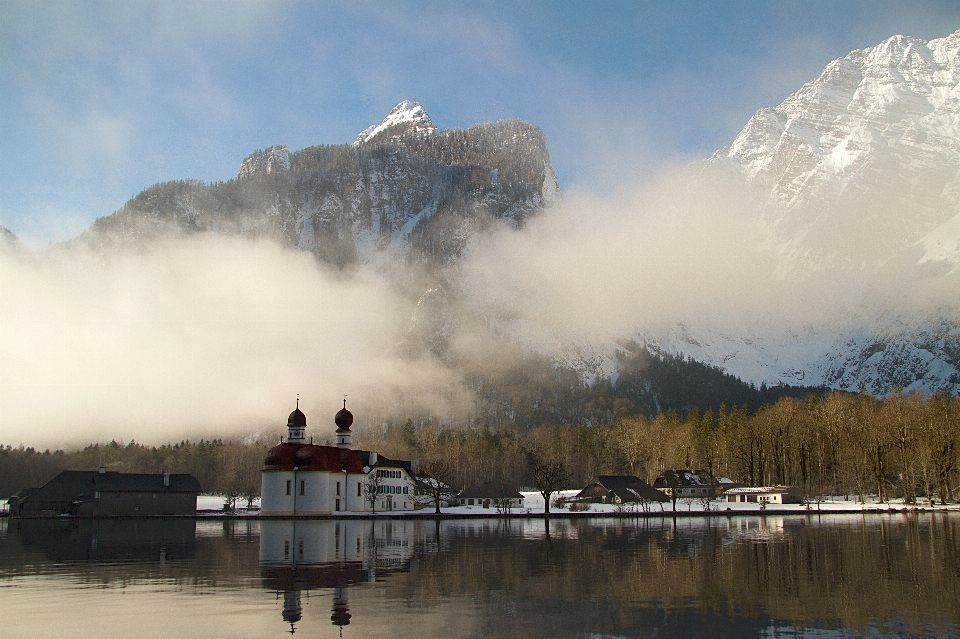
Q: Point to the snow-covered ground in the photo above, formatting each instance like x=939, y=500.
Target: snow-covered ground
x=533, y=504
x=215, y=502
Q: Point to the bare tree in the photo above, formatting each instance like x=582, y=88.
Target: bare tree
x=435, y=478
x=548, y=475
x=371, y=489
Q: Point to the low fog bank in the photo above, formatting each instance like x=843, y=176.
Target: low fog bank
x=199, y=337
x=699, y=252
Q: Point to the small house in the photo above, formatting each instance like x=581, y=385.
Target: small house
x=489, y=494
x=687, y=484
x=764, y=495
x=619, y=489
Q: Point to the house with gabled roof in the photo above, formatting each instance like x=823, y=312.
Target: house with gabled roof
x=487, y=494
x=685, y=483
x=764, y=495
x=619, y=489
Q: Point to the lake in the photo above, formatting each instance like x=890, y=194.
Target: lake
x=894, y=575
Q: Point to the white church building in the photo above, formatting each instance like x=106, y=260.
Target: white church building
x=300, y=478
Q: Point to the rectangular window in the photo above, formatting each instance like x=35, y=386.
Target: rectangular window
x=359, y=490
x=301, y=549
x=288, y=487
x=286, y=548
x=303, y=485
x=338, y=489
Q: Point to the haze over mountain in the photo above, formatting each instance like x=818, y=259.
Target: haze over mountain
x=439, y=272
x=822, y=247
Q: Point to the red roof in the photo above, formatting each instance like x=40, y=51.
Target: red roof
x=287, y=456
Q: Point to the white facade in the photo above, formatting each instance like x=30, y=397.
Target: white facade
x=763, y=495
x=324, y=492
x=285, y=492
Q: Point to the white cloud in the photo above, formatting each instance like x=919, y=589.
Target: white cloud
x=207, y=336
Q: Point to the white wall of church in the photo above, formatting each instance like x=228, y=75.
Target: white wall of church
x=312, y=493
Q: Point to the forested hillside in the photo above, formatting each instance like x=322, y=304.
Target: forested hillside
x=839, y=444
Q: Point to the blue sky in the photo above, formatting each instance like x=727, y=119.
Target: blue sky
x=100, y=100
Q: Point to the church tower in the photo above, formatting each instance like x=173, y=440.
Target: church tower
x=343, y=420
x=296, y=426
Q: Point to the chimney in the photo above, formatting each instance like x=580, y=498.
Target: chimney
x=373, y=459
x=103, y=470
x=166, y=479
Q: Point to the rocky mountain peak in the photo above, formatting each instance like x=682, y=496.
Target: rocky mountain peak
x=404, y=119
x=271, y=160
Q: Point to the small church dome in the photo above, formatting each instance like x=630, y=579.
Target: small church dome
x=281, y=457
x=297, y=419
x=344, y=418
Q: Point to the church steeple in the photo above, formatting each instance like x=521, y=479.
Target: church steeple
x=343, y=420
x=296, y=425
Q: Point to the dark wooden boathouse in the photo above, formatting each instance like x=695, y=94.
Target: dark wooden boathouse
x=103, y=493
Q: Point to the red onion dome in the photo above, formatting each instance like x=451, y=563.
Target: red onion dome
x=344, y=418
x=297, y=419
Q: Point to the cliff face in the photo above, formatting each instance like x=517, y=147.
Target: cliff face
x=405, y=190
x=866, y=156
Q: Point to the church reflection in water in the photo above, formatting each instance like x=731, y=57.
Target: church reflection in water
x=299, y=556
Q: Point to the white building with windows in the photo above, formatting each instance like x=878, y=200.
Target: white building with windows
x=300, y=478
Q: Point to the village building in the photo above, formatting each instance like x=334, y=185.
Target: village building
x=489, y=494
x=302, y=478
x=619, y=489
x=764, y=495
x=103, y=493
x=684, y=483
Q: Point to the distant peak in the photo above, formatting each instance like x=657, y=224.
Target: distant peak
x=405, y=118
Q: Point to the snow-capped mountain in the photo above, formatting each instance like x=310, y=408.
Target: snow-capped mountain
x=404, y=189
x=860, y=173
x=405, y=118
x=863, y=161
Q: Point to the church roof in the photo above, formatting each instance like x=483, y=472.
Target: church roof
x=288, y=456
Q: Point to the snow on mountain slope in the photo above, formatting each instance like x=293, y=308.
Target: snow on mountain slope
x=404, y=189
x=860, y=171
x=858, y=179
x=942, y=244
x=407, y=117
x=863, y=161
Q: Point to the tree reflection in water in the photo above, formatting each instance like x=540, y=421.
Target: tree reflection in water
x=634, y=577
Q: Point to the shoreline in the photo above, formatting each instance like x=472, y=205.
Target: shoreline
x=894, y=509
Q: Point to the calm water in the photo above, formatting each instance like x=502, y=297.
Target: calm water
x=839, y=576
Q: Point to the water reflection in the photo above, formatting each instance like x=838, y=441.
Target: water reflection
x=297, y=556
x=107, y=540
x=799, y=576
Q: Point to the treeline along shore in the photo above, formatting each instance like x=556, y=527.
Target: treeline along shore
x=904, y=446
